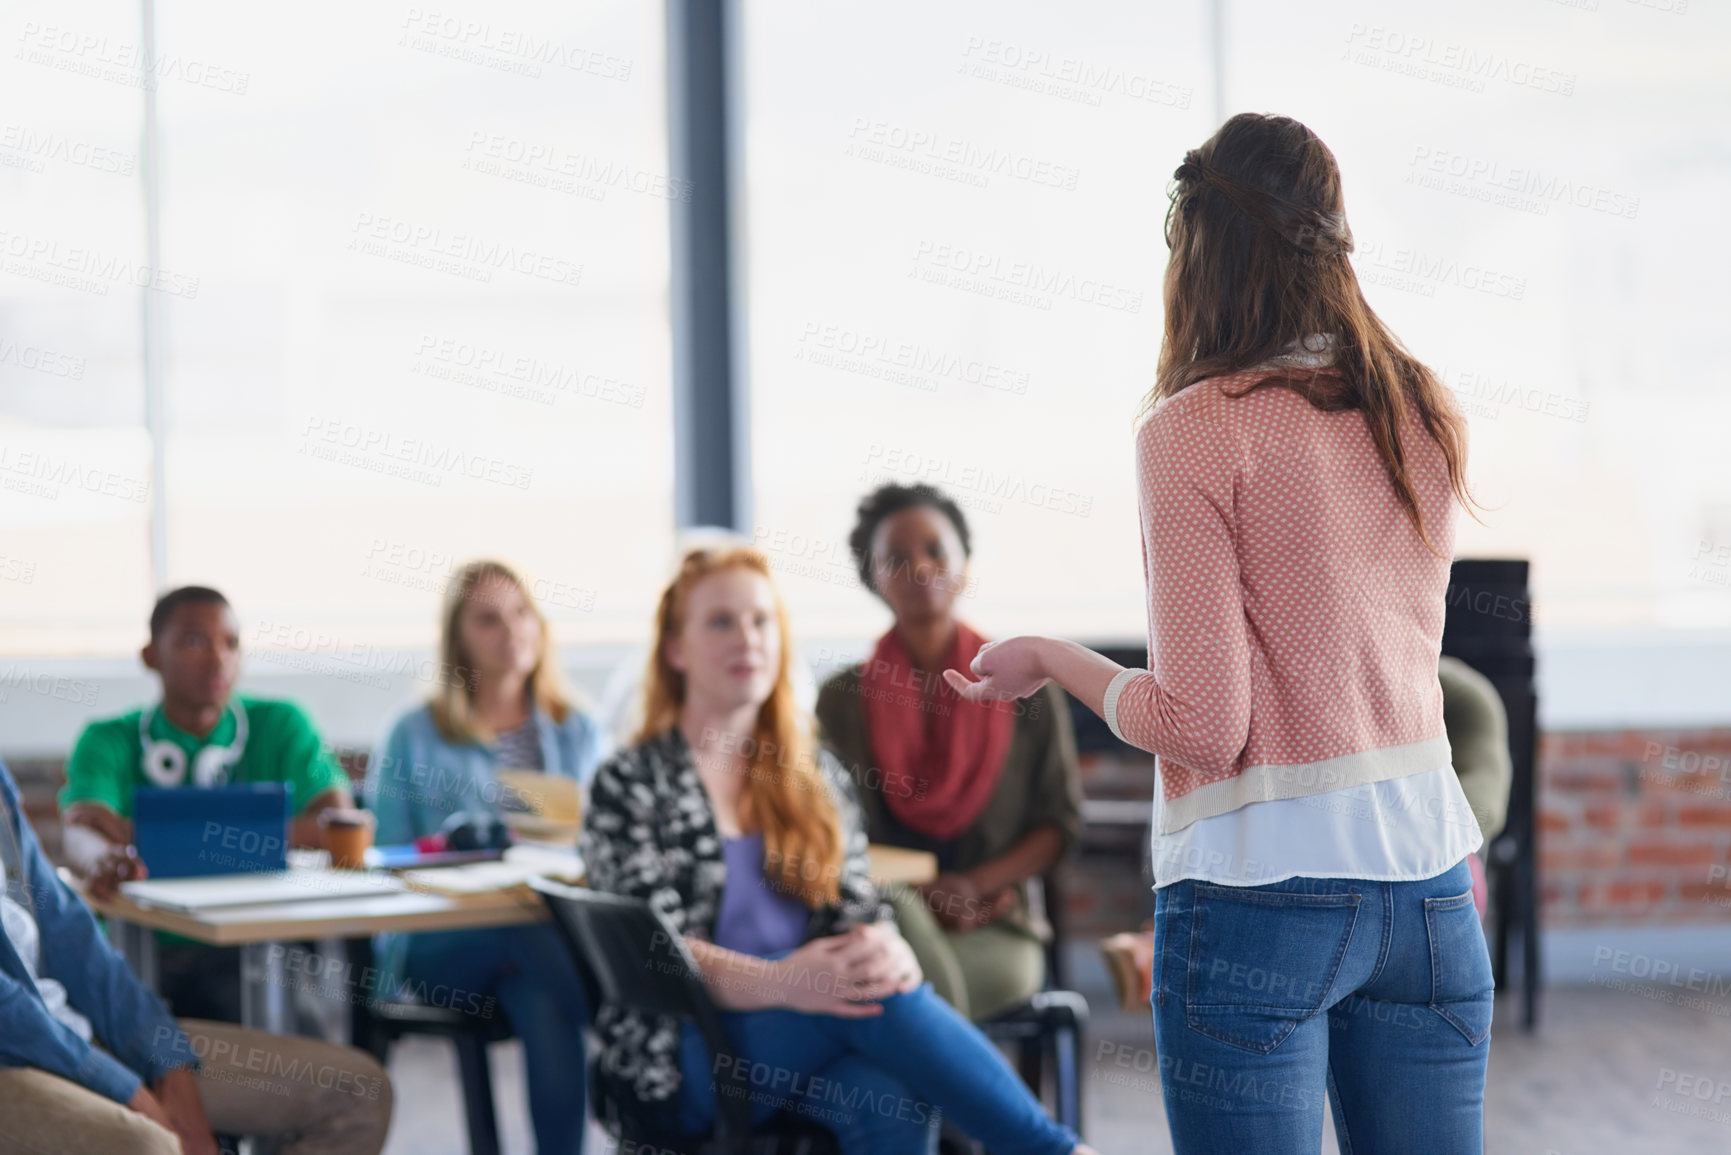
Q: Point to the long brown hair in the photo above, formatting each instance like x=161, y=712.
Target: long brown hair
x=785, y=796
x=1258, y=233
x=453, y=705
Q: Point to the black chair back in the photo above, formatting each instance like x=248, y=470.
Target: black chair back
x=629, y=955
x=1092, y=733
x=1489, y=626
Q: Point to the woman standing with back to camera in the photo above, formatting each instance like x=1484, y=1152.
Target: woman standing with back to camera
x=1314, y=928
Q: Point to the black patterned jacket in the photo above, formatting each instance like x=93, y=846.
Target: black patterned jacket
x=649, y=833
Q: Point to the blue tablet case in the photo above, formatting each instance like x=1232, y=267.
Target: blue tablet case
x=185, y=832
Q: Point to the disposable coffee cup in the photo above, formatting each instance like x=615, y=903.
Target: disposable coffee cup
x=348, y=836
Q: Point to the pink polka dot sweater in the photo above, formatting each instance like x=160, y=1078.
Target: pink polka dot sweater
x=1294, y=616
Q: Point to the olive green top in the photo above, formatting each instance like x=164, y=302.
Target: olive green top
x=1040, y=783
x=1478, y=733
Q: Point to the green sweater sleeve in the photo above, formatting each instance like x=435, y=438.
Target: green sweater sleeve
x=1478, y=734
x=1058, y=793
x=841, y=724
x=100, y=769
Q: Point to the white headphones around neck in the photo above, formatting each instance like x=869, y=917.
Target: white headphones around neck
x=164, y=762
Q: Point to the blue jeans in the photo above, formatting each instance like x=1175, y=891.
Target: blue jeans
x=529, y=971
x=1378, y=992
x=880, y=1084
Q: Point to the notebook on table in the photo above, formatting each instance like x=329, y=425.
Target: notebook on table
x=197, y=895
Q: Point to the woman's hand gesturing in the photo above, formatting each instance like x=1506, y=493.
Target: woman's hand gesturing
x=1011, y=668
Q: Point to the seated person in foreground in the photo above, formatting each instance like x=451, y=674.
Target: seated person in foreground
x=993, y=789
x=501, y=707
x=200, y=734
x=90, y=1060
x=728, y=819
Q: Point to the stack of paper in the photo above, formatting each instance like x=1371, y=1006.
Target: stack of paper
x=195, y=894
x=520, y=864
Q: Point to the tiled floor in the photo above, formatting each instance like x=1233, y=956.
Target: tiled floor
x=1608, y=1073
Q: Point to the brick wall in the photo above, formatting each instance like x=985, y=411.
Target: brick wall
x=39, y=780
x=1635, y=827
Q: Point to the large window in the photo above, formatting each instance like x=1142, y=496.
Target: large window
x=954, y=275
x=417, y=314
x=410, y=293
x=1533, y=189
x=75, y=469
x=955, y=260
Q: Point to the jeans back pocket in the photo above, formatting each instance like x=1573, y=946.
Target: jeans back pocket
x=1261, y=962
x=1462, y=989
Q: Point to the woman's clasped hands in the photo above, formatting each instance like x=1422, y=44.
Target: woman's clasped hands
x=848, y=974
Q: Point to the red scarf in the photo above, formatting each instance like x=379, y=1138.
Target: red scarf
x=940, y=754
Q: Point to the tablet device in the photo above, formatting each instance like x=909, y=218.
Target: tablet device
x=189, y=831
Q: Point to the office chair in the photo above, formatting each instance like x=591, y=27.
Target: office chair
x=376, y=1024
x=1488, y=625
x=611, y=939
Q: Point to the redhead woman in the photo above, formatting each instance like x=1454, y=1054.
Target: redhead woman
x=992, y=789
x=501, y=706
x=729, y=819
x=1314, y=928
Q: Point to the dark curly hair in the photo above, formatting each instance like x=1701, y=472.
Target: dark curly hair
x=892, y=498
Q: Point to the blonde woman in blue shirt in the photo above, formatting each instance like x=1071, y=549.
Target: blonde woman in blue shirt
x=501, y=705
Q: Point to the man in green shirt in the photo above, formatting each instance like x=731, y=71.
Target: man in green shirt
x=200, y=734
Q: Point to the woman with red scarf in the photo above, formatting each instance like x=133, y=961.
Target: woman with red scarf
x=991, y=788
